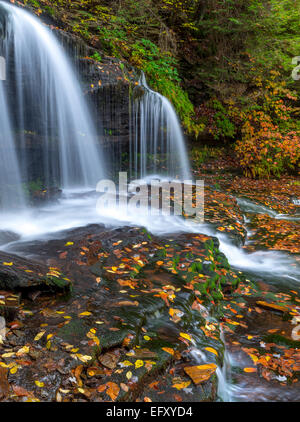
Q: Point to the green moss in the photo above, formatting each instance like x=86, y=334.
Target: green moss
x=282, y=341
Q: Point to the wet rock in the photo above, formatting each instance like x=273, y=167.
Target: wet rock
x=42, y=196
x=17, y=273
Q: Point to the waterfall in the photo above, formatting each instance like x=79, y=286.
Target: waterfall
x=157, y=143
x=42, y=105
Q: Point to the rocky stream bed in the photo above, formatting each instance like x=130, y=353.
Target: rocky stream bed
x=102, y=313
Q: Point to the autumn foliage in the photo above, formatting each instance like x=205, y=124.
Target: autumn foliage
x=264, y=150
x=269, y=144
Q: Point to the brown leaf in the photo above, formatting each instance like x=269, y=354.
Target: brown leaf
x=77, y=374
x=109, y=360
x=177, y=397
x=126, y=303
x=4, y=385
x=145, y=354
x=20, y=391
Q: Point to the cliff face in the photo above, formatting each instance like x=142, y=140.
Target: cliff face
x=107, y=84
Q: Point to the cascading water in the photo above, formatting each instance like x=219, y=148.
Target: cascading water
x=46, y=120
x=11, y=195
x=41, y=99
x=157, y=144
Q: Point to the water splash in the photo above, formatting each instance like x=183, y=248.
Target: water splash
x=157, y=145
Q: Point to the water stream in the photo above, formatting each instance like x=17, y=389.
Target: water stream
x=157, y=144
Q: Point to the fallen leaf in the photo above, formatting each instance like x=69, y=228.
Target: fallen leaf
x=249, y=370
x=4, y=385
x=210, y=349
x=113, y=390
x=200, y=373
x=182, y=385
x=168, y=350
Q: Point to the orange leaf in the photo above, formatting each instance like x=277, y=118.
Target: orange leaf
x=113, y=390
x=200, y=373
x=249, y=370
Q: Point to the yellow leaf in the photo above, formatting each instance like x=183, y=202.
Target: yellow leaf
x=129, y=375
x=8, y=264
x=126, y=363
x=85, y=313
x=138, y=364
x=253, y=357
x=84, y=358
x=39, y=384
x=8, y=355
x=22, y=351
x=69, y=244
x=39, y=336
x=14, y=370
x=186, y=336
x=182, y=385
x=210, y=349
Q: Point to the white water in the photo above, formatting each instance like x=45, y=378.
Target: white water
x=79, y=208
x=157, y=133
x=10, y=191
x=46, y=100
x=250, y=207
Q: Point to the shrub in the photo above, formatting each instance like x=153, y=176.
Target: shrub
x=264, y=150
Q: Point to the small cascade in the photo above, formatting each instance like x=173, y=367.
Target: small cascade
x=43, y=111
x=157, y=143
x=225, y=386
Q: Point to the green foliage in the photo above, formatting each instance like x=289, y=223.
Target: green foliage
x=96, y=56
x=200, y=155
x=34, y=186
x=161, y=69
x=224, y=127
